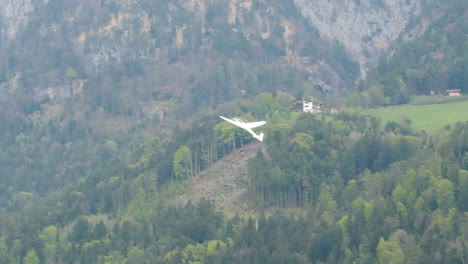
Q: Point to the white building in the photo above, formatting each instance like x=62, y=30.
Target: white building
x=454, y=92
x=307, y=106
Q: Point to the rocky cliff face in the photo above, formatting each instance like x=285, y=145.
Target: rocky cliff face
x=365, y=27
x=123, y=32
x=14, y=15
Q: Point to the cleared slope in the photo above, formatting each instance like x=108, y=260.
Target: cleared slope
x=225, y=182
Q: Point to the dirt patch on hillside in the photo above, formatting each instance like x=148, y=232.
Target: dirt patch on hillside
x=225, y=182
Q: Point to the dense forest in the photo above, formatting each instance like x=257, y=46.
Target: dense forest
x=109, y=109
x=360, y=191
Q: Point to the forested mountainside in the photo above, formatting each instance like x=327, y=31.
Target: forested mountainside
x=430, y=64
x=77, y=75
x=109, y=108
x=360, y=192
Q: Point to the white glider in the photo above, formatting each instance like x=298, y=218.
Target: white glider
x=247, y=126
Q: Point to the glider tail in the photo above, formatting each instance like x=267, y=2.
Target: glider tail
x=260, y=137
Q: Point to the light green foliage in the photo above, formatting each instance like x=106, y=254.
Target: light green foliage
x=369, y=213
x=183, y=163
x=15, y=250
x=281, y=128
x=423, y=201
x=277, y=176
x=446, y=222
x=283, y=99
x=401, y=210
x=445, y=195
x=228, y=136
x=376, y=95
x=111, y=146
x=171, y=254
x=343, y=223
x=452, y=220
x=303, y=140
x=21, y=139
x=4, y=255
x=49, y=234
x=462, y=200
x=142, y=162
x=22, y=196
x=197, y=252
x=389, y=252
x=348, y=256
x=140, y=208
x=22, y=199
x=326, y=199
x=463, y=177
x=350, y=193
x=421, y=183
x=410, y=178
x=225, y=132
x=136, y=256
x=48, y=237
x=411, y=199
x=423, y=179
x=89, y=248
x=263, y=104
x=352, y=100
x=339, y=126
x=213, y=245
x=410, y=248
x=141, y=156
x=114, y=257
x=71, y=73
x=277, y=117
x=31, y=257
x=399, y=194
x=359, y=204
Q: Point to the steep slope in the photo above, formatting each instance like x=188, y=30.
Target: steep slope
x=14, y=15
x=84, y=50
x=366, y=28
x=78, y=74
x=428, y=64
x=80, y=80
x=225, y=182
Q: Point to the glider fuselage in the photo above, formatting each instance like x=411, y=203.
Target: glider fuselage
x=247, y=126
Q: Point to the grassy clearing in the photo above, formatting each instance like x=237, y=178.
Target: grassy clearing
x=438, y=99
x=430, y=117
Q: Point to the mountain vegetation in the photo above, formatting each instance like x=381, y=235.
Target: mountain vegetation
x=363, y=192
x=109, y=109
x=427, y=65
x=81, y=74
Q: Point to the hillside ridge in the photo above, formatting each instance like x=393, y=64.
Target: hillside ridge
x=225, y=182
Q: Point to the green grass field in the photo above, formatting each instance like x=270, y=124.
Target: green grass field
x=430, y=117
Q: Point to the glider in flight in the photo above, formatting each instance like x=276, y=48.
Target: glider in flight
x=247, y=126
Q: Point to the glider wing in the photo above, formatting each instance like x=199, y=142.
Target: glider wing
x=255, y=124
